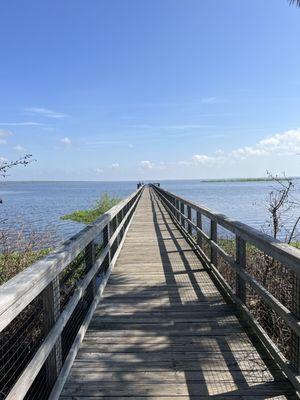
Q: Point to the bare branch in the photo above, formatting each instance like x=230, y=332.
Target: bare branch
x=296, y=2
x=6, y=165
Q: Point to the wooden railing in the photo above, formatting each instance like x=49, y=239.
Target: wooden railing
x=45, y=310
x=260, y=274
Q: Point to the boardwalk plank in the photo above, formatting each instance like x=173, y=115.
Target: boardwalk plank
x=163, y=330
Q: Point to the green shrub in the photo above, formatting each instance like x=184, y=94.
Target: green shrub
x=13, y=263
x=88, y=216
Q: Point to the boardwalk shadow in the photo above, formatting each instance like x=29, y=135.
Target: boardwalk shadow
x=172, y=337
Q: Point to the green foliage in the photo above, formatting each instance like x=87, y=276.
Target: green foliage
x=88, y=216
x=13, y=263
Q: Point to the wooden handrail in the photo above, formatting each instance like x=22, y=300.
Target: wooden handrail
x=21, y=290
x=282, y=252
x=180, y=210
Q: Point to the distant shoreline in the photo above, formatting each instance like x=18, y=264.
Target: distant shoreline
x=266, y=179
x=216, y=180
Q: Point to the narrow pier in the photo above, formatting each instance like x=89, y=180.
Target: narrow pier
x=162, y=329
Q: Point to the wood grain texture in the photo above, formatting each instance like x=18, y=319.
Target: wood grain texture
x=163, y=330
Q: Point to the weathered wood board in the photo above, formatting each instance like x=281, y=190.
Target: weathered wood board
x=163, y=330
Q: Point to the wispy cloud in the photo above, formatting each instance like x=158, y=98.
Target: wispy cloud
x=171, y=127
x=281, y=144
x=199, y=159
x=45, y=112
x=115, y=165
x=26, y=123
x=106, y=142
x=149, y=165
x=214, y=100
x=146, y=164
x=5, y=133
x=19, y=148
x=99, y=170
x=286, y=143
x=65, y=141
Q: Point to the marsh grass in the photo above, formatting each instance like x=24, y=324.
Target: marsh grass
x=19, y=250
x=88, y=216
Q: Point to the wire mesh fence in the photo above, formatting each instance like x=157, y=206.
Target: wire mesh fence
x=23, y=338
x=19, y=342
x=269, y=279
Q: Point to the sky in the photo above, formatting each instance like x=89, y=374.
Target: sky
x=150, y=89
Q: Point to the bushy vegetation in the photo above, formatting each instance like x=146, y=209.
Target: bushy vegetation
x=88, y=216
x=13, y=263
x=19, y=250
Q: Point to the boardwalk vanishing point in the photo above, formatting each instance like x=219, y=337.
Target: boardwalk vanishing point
x=162, y=325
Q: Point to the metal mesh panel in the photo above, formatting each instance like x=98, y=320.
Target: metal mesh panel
x=274, y=276
x=21, y=339
x=206, y=225
x=226, y=240
x=69, y=278
x=19, y=342
x=72, y=327
x=206, y=247
x=41, y=388
x=227, y=273
x=271, y=322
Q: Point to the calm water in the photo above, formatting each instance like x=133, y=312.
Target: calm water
x=38, y=206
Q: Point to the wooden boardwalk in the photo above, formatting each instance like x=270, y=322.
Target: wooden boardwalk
x=164, y=331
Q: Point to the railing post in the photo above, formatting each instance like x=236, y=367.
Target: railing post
x=51, y=306
x=182, y=212
x=90, y=258
x=106, y=237
x=189, y=215
x=214, y=238
x=199, y=225
x=177, y=208
x=241, y=258
x=295, y=340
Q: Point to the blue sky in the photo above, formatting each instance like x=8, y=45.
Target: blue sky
x=131, y=89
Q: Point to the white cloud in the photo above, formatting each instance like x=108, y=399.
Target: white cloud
x=3, y=160
x=4, y=133
x=199, y=159
x=66, y=141
x=27, y=123
x=146, y=164
x=286, y=143
x=220, y=152
x=19, y=148
x=283, y=144
x=45, y=112
x=214, y=100
x=99, y=170
x=171, y=127
x=115, y=165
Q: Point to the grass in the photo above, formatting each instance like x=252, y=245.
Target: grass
x=13, y=263
x=88, y=216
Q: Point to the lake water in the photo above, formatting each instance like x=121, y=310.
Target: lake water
x=38, y=206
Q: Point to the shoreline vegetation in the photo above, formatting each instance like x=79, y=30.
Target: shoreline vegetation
x=88, y=216
x=265, y=179
x=31, y=250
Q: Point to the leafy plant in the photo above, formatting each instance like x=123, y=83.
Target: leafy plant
x=88, y=216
